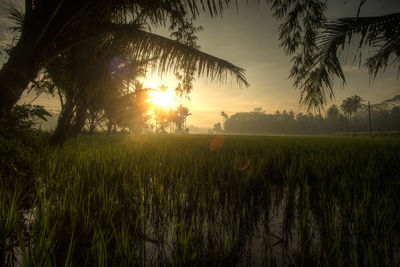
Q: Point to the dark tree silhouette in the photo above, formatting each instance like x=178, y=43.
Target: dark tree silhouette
x=314, y=43
x=350, y=106
x=181, y=115
x=50, y=28
x=385, y=115
x=163, y=118
x=334, y=118
x=92, y=79
x=217, y=128
x=356, y=103
x=347, y=108
x=224, y=117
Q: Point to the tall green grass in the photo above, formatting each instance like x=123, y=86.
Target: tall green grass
x=169, y=200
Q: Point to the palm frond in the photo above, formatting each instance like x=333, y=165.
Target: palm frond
x=17, y=16
x=188, y=7
x=381, y=34
x=170, y=54
x=298, y=30
x=380, y=60
x=213, y=7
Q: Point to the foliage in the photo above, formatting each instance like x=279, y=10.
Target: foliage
x=259, y=122
x=21, y=120
x=298, y=31
x=50, y=29
x=20, y=146
x=186, y=34
x=381, y=34
x=93, y=76
x=217, y=128
x=173, y=118
x=354, y=117
x=98, y=83
x=315, y=43
x=19, y=143
x=169, y=200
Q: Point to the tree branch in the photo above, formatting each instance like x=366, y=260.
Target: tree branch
x=145, y=45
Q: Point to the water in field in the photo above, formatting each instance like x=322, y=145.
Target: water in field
x=191, y=200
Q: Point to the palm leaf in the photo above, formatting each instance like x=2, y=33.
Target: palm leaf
x=173, y=54
x=170, y=54
x=17, y=16
x=381, y=34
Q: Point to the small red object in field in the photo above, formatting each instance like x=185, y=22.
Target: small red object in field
x=217, y=143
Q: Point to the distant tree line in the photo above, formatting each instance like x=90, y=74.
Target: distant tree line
x=90, y=54
x=351, y=116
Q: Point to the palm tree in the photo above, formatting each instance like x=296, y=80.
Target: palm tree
x=315, y=42
x=347, y=108
x=138, y=105
x=224, y=115
x=163, y=119
x=96, y=79
x=217, y=128
x=50, y=28
x=381, y=34
x=356, y=105
x=183, y=113
x=333, y=112
x=333, y=117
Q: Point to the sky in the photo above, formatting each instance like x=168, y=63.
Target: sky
x=249, y=39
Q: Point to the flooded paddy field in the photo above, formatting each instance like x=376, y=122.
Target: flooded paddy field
x=189, y=200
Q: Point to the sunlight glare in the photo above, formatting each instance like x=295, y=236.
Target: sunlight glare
x=152, y=86
x=163, y=99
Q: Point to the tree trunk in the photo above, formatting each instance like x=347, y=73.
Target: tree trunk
x=350, y=126
x=16, y=74
x=67, y=125
x=109, y=127
x=92, y=121
x=92, y=126
x=63, y=123
x=355, y=121
x=80, y=119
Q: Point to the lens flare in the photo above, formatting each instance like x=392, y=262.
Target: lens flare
x=217, y=143
x=163, y=99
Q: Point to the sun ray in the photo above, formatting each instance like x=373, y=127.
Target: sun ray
x=163, y=99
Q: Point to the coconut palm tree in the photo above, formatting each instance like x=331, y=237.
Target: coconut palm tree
x=50, y=28
x=315, y=43
x=182, y=114
x=347, y=108
x=334, y=117
x=381, y=34
x=356, y=104
x=163, y=119
x=224, y=115
x=94, y=79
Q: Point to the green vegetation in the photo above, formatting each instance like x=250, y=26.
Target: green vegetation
x=356, y=118
x=319, y=45
x=185, y=200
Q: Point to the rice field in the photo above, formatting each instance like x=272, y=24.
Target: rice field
x=187, y=200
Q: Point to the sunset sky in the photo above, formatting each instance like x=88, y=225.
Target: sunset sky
x=250, y=40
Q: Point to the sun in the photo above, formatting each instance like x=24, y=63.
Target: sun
x=162, y=98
